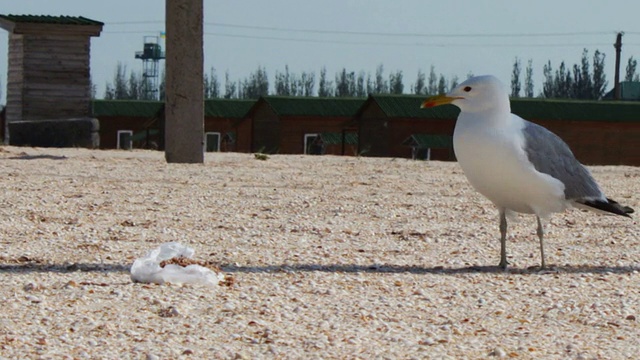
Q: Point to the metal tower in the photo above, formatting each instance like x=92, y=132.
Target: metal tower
x=151, y=56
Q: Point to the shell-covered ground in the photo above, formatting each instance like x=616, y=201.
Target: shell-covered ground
x=325, y=257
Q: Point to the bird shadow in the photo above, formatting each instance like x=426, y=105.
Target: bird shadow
x=30, y=267
x=436, y=270
x=36, y=266
x=36, y=157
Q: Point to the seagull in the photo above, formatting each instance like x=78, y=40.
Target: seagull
x=519, y=166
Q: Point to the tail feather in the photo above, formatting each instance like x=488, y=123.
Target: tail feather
x=610, y=206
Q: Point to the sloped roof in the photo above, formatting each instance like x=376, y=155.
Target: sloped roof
x=629, y=91
x=408, y=106
x=47, y=19
x=313, y=106
x=130, y=108
x=576, y=110
x=227, y=108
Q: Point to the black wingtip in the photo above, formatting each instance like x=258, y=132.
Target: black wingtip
x=610, y=206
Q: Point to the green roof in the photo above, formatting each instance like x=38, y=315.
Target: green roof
x=408, y=106
x=576, y=110
x=130, y=108
x=227, y=108
x=629, y=90
x=313, y=106
x=424, y=141
x=46, y=19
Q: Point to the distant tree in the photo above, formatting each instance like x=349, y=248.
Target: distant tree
x=515, y=79
x=528, y=80
x=119, y=89
x=93, y=89
x=432, y=84
x=599, y=80
x=380, y=85
x=211, y=85
x=361, y=85
x=547, y=85
x=345, y=84
x=307, y=81
x=325, y=86
x=420, y=86
x=563, y=82
x=283, y=82
x=454, y=82
x=395, y=83
x=582, y=85
x=442, y=85
x=577, y=82
x=135, y=89
x=630, y=74
x=369, y=84
x=256, y=85
x=230, y=88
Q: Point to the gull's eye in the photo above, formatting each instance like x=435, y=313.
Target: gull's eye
x=467, y=88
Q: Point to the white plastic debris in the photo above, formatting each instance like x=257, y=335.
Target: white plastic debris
x=147, y=268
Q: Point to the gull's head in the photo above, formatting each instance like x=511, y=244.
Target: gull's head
x=476, y=94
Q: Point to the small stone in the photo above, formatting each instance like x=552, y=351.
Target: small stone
x=32, y=287
x=631, y=317
x=34, y=299
x=498, y=352
x=152, y=357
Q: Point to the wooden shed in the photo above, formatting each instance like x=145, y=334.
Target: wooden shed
x=301, y=125
x=598, y=132
x=139, y=124
x=48, y=68
x=396, y=126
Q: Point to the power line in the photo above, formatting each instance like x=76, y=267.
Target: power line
x=446, y=35
x=390, y=34
x=378, y=43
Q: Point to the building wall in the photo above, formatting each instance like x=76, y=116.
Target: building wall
x=294, y=128
x=48, y=77
x=402, y=128
x=109, y=126
x=373, y=132
x=599, y=143
x=265, y=131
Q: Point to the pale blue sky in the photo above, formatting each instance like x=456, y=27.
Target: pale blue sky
x=234, y=41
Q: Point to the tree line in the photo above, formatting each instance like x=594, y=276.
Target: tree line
x=583, y=80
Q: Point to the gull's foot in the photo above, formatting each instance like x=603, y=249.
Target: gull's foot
x=503, y=264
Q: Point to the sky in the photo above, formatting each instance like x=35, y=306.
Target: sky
x=456, y=37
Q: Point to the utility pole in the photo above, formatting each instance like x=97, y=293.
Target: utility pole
x=184, y=100
x=618, y=46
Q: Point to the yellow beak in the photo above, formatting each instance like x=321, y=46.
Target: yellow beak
x=438, y=100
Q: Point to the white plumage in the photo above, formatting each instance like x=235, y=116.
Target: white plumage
x=518, y=165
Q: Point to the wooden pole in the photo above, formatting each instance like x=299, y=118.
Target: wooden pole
x=184, y=99
x=618, y=46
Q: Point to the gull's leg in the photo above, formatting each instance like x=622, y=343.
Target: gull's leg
x=540, y=232
x=503, y=239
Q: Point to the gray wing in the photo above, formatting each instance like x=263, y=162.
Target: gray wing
x=552, y=156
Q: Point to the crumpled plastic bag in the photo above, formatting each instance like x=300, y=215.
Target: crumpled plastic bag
x=147, y=268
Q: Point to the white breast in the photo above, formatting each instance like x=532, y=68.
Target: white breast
x=493, y=159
